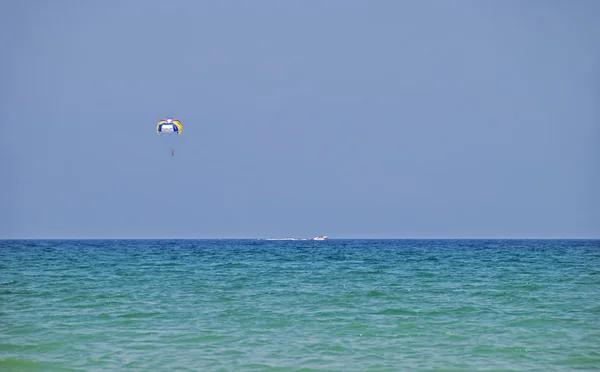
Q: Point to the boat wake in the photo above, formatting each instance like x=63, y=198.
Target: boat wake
x=282, y=239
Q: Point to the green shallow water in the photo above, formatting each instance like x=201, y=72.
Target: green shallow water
x=337, y=305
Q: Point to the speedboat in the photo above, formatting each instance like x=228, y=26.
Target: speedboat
x=320, y=237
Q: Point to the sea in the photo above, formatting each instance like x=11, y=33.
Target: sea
x=300, y=305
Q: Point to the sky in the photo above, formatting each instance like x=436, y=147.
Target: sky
x=352, y=119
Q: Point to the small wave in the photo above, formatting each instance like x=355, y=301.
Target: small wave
x=11, y=363
x=197, y=339
x=397, y=312
x=327, y=349
x=140, y=315
x=14, y=364
x=580, y=362
x=11, y=347
x=375, y=293
x=460, y=310
x=499, y=349
x=536, y=322
x=96, y=305
x=594, y=310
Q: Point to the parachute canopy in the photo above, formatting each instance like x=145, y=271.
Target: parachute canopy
x=169, y=126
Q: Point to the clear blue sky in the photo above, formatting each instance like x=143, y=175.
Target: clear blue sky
x=371, y=119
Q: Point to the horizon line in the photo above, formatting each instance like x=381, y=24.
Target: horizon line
x=307, y=239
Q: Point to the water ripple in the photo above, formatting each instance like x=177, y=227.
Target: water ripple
x=347, y=305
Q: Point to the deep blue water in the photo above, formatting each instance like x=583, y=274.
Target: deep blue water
x=336, y=305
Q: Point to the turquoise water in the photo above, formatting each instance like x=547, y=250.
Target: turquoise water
x=337, y=305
